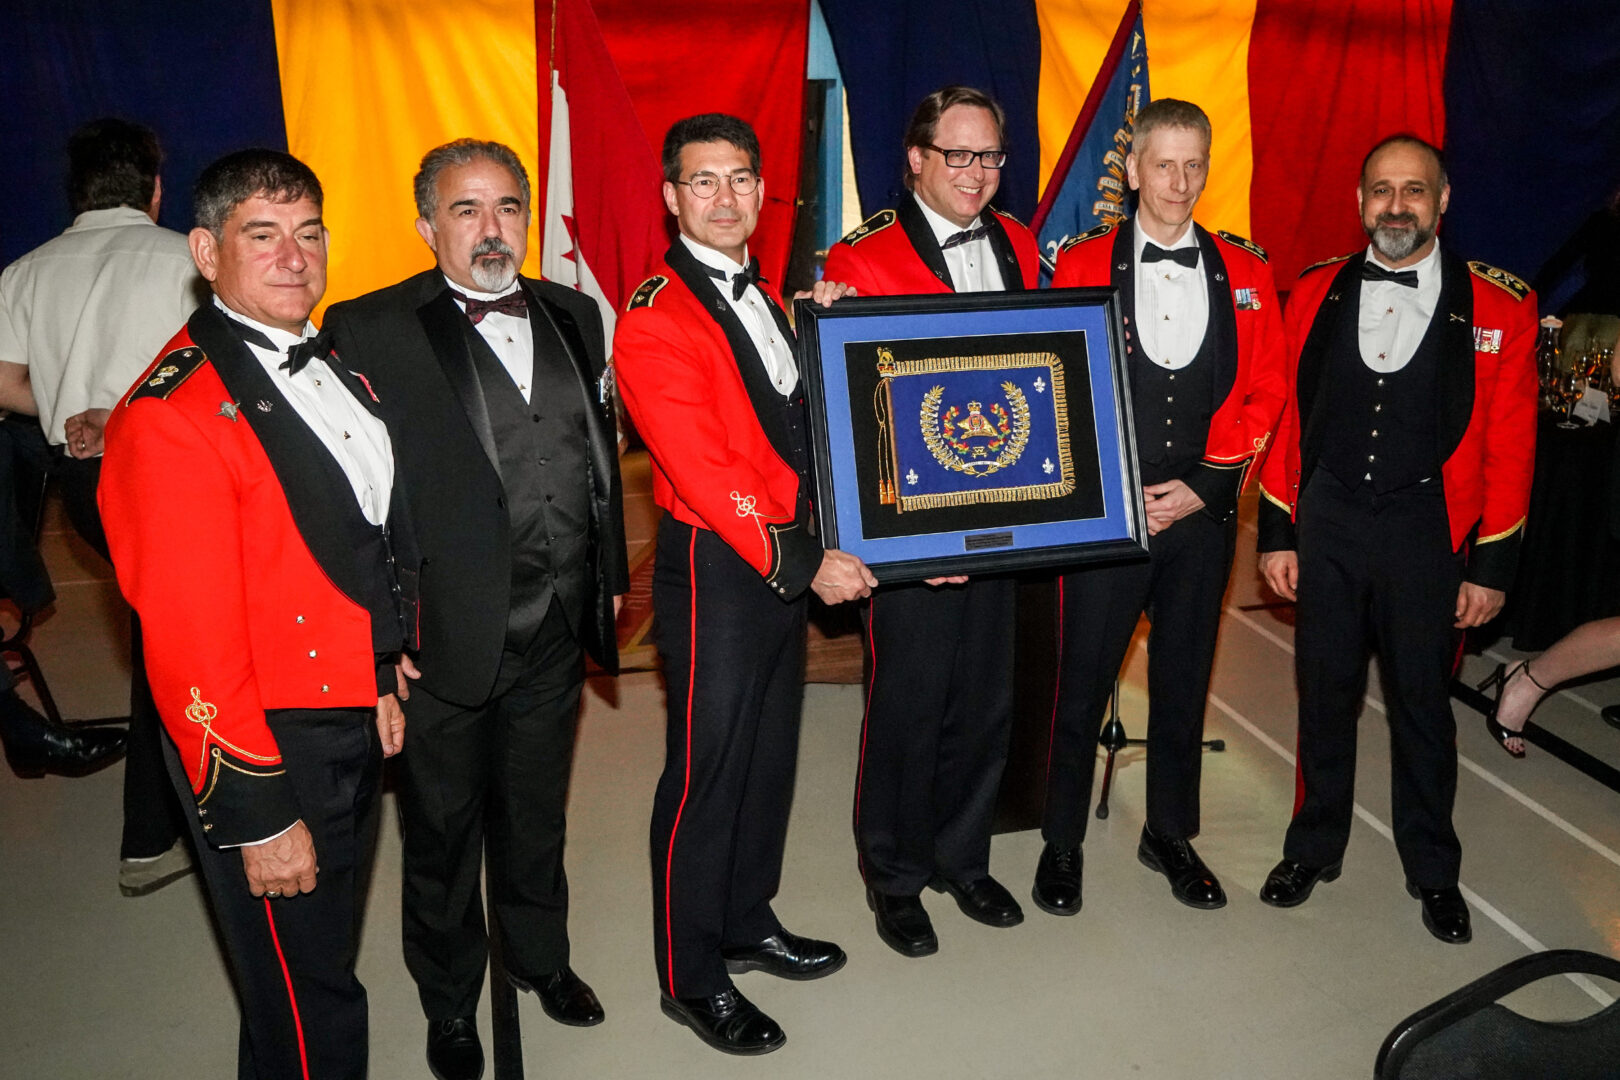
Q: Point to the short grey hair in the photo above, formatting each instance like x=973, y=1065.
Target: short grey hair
x=463, y=152
x=235, y=178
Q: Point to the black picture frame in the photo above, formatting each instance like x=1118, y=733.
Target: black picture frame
x=989, y=497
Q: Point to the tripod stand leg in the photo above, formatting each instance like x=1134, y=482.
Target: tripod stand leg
x=1108, y=782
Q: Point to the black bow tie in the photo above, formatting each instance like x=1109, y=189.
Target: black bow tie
x=1187, y=256
x=298, y=355
x=318, y=347
x=966, y=236
x=748, y=275
x=513, y=303
x=1371, y=271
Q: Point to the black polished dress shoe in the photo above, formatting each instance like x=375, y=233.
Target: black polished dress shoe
x=453, y=1049
x=566, y=997
x=1190, y=880
x=1445, y=913
x=1057, y=880
x=1290, y=883
x=903, y=924
x=35, y=746
x=982, y=900
x=727, y=1021
x=785, y=955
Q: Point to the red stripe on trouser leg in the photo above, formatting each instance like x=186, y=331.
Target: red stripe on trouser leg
x=292, y=999
x=691, y=680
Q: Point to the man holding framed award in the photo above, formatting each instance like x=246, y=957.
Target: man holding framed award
x=707, y=372
x=1204, y=346
x=939, y=691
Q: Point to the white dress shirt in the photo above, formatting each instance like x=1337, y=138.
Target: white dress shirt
x=356, y=439
x=511, y=338
x=89, y=310
x=1393, y=317
x=1172, y=302
x=973, y=264
x=775, y=351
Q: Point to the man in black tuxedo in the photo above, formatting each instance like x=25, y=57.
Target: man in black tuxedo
x=495, y=392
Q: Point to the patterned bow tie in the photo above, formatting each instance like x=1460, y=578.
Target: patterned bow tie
x=749, y=275
x=1187, y=256
x=966, y=236
x=513, y=303
x=1371, y=271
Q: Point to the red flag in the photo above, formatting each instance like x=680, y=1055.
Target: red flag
x=604, y=211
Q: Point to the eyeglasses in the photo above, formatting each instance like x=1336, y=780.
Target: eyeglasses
x=961, y=159
x=707, y=185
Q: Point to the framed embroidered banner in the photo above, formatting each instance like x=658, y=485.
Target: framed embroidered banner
x=974, y=432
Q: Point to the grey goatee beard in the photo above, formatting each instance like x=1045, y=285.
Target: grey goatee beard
x=493, y=276
x=1396, y=244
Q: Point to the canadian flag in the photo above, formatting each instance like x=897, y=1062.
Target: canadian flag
x=604, y=223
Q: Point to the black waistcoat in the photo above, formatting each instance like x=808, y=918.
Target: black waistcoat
x=541, y=447
x=1188, y=398
x=1172, y=411
x=1382, y=430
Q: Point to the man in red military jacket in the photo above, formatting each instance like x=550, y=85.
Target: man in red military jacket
x=1394, y=502
x=1205, y=351
x=248, y=492
x=939, y=691
x=706, y=369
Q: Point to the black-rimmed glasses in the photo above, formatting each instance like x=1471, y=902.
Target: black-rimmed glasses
x=707, y=185
x=961, y=159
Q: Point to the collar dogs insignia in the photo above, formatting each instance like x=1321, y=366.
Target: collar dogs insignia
x=175, y=368
x=229, y=410
x=1090, y=234
x=1246, y=244
x=1501, y=279
x=876, y=223
x=643, y=296
x=1325, y=262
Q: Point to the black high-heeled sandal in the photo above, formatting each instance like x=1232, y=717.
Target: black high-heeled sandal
x=1500, y=679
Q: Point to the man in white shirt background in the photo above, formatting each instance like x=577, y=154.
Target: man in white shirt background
x=80, y=317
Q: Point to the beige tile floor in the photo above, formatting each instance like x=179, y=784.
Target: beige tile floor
x=94, y=985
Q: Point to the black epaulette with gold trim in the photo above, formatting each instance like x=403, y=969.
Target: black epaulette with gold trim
x=1002, y=213
x=1089, y=234
x=1500, y=278
x=1245, y=243
x=874, y=224
x=643, y=296
x=175, y=368
x=1325, y=262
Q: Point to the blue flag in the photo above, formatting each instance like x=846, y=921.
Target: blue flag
x=1088, y=187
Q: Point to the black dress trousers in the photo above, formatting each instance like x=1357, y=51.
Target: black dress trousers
x=495, y=777
x=1180, y=587
x=934, y=740
x=292, y=958
x=153, y=818
x=1376, y=571
x=733, y=654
